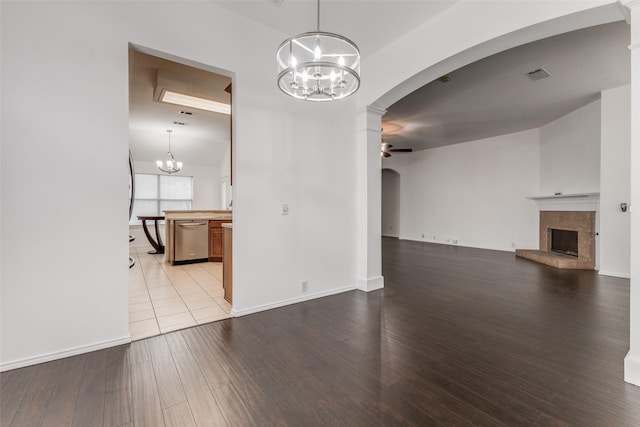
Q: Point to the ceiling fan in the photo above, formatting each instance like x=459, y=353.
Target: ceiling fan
x=386, y=150
x=385, y=147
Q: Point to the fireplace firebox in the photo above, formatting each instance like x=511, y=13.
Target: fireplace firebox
x=564, y=242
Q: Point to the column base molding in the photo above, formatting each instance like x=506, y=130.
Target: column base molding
x=632, y=368
x=371, y=283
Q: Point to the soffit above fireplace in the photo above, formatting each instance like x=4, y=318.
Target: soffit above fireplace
x=568, y=202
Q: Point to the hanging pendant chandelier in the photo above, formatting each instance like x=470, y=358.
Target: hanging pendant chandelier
x=318, y=66
x=170, y=166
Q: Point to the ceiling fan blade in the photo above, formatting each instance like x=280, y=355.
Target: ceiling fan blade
x=386, y=154
x=402, y=150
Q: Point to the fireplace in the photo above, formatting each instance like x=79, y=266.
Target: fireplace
x=564, y=242
x=567, y=240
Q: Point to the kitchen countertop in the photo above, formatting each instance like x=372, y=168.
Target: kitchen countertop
x=173, y=215
x=227, y=225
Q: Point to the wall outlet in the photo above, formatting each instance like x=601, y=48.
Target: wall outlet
x=304, y=286
x=285, y=209
x=454, y=241
x=434, y=237
x=422, y=235
x=513, y=245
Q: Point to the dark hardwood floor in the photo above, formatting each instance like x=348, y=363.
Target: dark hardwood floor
x=458, y=336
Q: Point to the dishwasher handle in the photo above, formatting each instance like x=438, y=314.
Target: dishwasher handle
x=190, y=224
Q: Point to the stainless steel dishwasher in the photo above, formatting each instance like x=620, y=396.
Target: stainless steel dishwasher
x=191, y=241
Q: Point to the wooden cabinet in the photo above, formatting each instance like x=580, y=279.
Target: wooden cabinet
x=215, y=240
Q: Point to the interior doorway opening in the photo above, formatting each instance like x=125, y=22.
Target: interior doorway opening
x=390, y=203
x=192, y=103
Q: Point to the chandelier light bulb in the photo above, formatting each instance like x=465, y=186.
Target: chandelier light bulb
x=317, y=53
x=294, y=62
x=341, y=61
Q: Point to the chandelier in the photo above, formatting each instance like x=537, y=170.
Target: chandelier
x=318, y=66
x=170, y=165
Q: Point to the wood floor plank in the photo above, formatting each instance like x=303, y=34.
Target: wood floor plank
x=176, y=342
x=36, y=399
x=207, y=355
x=62, y=404
x=204, y=408
x=89, y=410
x=13, y=387
x=179, y=416
x=139, y=352
x=232, y=407
x=118, y=409
x=147, y=411
x=170, y=387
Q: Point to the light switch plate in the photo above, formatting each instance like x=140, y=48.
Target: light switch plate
x=285, y=209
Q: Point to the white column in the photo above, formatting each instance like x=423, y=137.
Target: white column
x=369, y=268
x=632, y=361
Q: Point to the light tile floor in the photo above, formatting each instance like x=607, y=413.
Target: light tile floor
x=164, y=297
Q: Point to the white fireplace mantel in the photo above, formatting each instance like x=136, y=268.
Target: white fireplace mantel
x=568, y=202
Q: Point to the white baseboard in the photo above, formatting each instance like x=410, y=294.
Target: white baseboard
x=632, y=368
x=489, y=248
x=21, y=363
x=307, y=297
x=391, y=235
x=614, y=274
x=371, y=283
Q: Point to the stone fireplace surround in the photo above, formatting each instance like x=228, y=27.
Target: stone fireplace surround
x=562, y=216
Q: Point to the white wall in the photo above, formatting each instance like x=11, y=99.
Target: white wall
x=570, y=152
x=615, y=188
x=632, y=360
x=390, y=203
x=225, y=177
x=206, y=182
x=67, y=63
x=474, y=192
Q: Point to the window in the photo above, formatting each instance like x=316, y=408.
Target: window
x=156, y=193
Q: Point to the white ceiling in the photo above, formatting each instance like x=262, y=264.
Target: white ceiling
x=370, y=24
x=487, y=98
x=494, y=96
x=206, y=137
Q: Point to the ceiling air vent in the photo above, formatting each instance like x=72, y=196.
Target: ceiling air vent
x=538, y=74
x=181, y=123
x=187, y=113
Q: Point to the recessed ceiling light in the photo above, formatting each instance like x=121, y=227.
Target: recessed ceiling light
x=194, y=102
